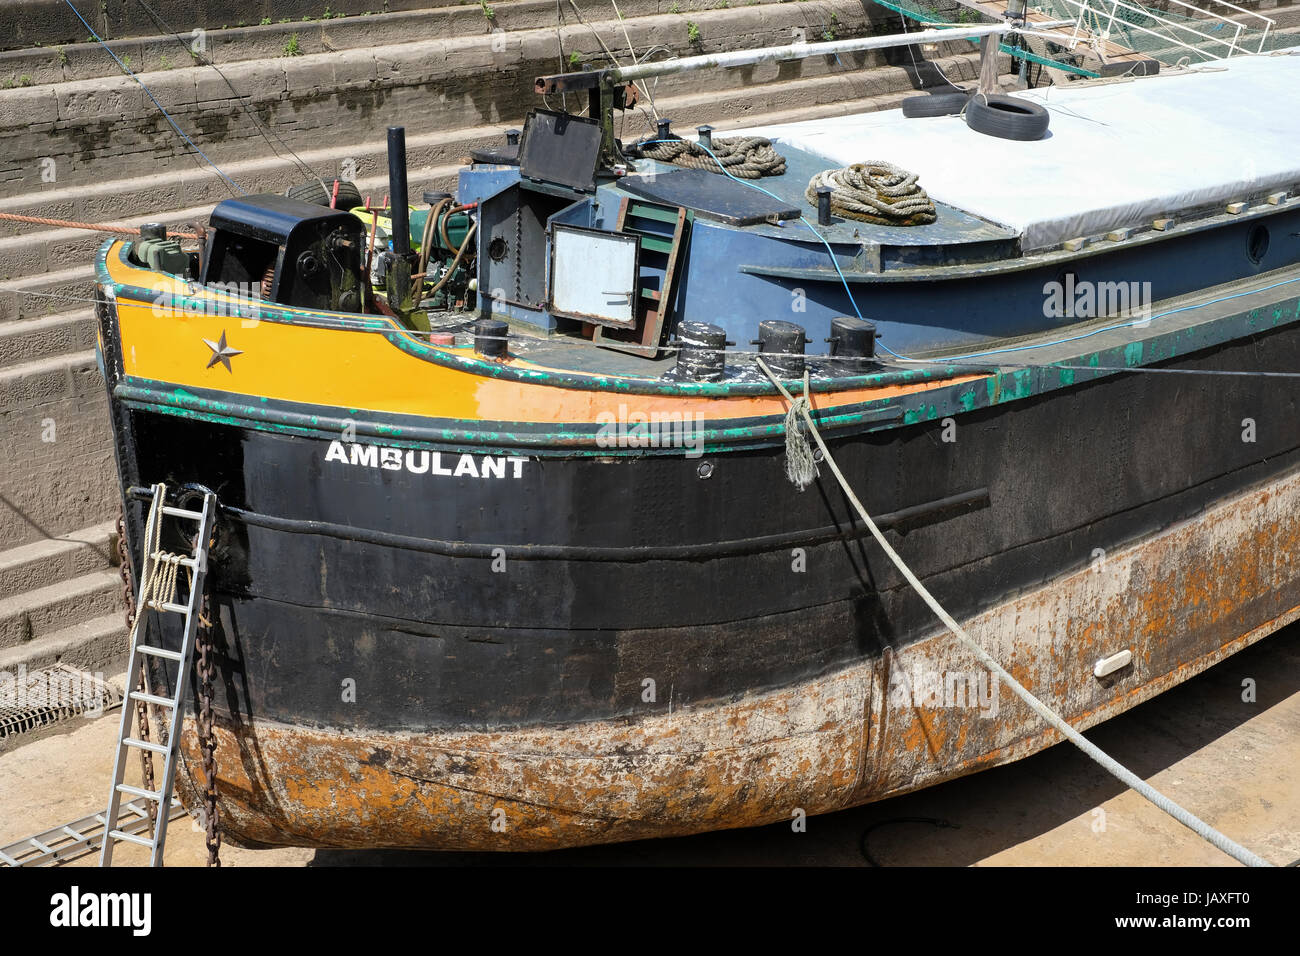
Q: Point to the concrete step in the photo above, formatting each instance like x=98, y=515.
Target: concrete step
x=33, y=614
x=97, y=645
x=43, y=563
x=157, y=52
x=48, y=381
x=430, y=85
x=144, y=199
x=59, y=474
x=25, y=340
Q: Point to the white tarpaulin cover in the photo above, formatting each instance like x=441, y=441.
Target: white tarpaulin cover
x=1117, y=154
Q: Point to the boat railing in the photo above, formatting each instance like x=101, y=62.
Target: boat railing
x=1096, y=20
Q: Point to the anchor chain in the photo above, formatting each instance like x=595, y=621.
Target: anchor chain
x=207, y=737
x=142, y=678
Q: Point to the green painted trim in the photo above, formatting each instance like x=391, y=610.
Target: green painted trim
x=402, y=340
x=1182, y=335
x=467, y=435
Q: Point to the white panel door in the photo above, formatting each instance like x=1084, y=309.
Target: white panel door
x=593, y=275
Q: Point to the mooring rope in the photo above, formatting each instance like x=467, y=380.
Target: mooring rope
x=800, y=465
x=749, y=157
x=94, y=227
x=1112, y=766
x=875, y=191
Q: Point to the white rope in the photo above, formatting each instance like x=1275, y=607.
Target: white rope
x=1195, y=824
x=159, y=584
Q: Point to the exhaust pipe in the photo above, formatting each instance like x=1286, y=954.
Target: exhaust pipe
x=401, y=211
x=399, y=263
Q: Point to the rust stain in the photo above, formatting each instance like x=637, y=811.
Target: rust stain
x=1181, y=601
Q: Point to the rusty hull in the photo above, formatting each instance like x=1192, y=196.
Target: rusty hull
x=1180, y=601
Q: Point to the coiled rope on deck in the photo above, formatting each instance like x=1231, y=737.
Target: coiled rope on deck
x=748, y=157
x=1112, y=766
x=875, y=191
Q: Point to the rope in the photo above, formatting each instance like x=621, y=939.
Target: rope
x=147, y=92
x=257, y=124
x=159, y=584
x=1112, y=766
x=100, y=227
x=749, y=157
x=877, y=192
x=800, y=466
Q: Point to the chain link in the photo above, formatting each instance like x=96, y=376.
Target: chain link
x=207, y=737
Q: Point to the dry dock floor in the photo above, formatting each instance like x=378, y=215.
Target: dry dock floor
x=1234, y=763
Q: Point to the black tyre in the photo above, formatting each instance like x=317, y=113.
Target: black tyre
x=935, y=104
x=313, y=192
x=1006, y=117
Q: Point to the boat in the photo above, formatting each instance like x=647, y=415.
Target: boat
x=520, y=546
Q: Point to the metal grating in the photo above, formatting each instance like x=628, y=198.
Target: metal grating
x=50, y=694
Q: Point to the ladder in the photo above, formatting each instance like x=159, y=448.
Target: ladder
x=72, y=840
x=662, y=230
x=158, y=578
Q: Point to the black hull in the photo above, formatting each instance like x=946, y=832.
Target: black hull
x=434, y=638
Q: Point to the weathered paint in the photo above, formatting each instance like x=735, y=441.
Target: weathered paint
x=331, y=367
x=1180, y=600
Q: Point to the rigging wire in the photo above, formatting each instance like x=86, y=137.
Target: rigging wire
x=1198, y=826
x=258, y=125
x=974, y=368
x=953, y=360
x=149, y=93
x=609, y=53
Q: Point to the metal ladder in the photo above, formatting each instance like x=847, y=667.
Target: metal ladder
x=76, y=839
x=197, y=565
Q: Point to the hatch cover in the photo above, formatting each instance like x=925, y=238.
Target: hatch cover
x=711, y=195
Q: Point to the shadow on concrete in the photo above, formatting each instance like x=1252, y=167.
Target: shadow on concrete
x=994, y=810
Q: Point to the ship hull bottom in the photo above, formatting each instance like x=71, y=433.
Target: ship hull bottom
x=1179, y=602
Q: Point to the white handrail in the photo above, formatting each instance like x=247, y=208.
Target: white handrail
x=1086, y=10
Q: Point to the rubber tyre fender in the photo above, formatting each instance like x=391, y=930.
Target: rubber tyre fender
x=935, y=104
x=311, y=191
x=1006, y=117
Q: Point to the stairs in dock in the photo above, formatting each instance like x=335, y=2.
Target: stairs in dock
x=454, y=79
